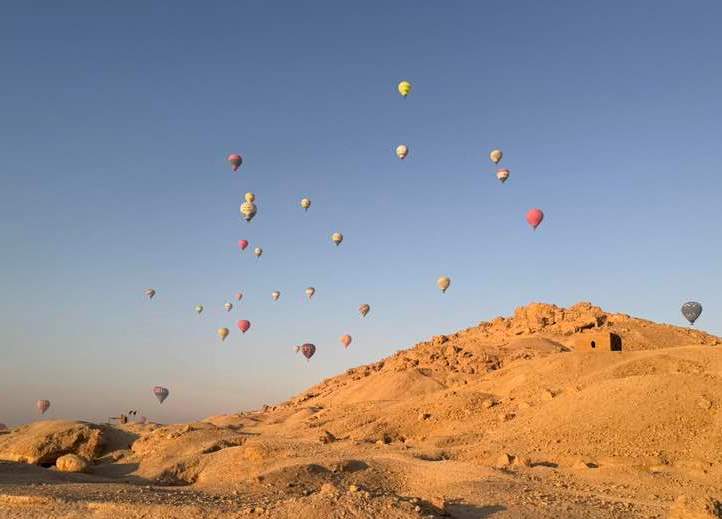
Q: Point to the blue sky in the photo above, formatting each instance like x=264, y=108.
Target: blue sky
x=116, y=120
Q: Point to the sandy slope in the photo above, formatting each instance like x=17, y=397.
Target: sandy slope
x=500, y=420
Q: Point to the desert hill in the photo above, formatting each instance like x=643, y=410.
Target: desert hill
x=516, y=417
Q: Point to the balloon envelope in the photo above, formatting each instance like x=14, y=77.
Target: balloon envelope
x=364, y=309
x=228, y=307
x=248, y=211
x=402, y=150
x=199, y=309
x=691, y=311
x=160, y=393
x=404, y=88
x=308, y=350
x=236, y=160
x=223, y=333
x=243, y=244
x=346, y=340
x=275, y=295
x=502, y=175
x=305, y=203
x=337, y=238
x=495, y=156
x=150, y=293
x=443, y=283
x=534, y=217
x=310, y=291
x=243, y=325
x=239, y=296
x=258, y=252
x=42, y=406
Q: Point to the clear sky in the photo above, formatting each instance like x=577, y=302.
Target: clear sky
x=116, y=120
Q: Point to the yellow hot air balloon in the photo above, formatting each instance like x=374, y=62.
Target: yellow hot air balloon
x=495, y=156
x=404, y=88
x=248, y=209
x=337, y=238
x=250, y=197
x=402, y=150
x=443, y=283
x=305, y=203
x=223, y=333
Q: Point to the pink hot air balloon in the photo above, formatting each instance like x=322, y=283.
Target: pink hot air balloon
x=239, y=296
x=243, y=244
x=534, y=217
x=42, y=406
x=235, y=160
x=346, y=340
x=243, y=325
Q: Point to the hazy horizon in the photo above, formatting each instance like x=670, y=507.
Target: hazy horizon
x=117, y=121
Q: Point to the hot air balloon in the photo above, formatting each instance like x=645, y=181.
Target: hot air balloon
x=248, y=210
x=495, y=156
x=239, y=296
x=337, y=238
x=402, y=150
x=149, y=293
x=228, y=307
x=404, y=88
x=502, y=175
x=235, y=160
x=160, y=393
x=346, y=340
x=258, y=252
x=534, y=217
x=443, y=283
x=243, y=325
x=42, y=406
x=275, y=295
x=305, y=203
x=309, y=292
x=243, y=244
x=363, y=310
x=297, y=348
x=223, y=333
x=199, y=309
x=691, y=311
x=308, y=350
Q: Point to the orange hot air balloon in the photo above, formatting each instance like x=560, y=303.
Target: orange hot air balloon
x=346, y=340
x=534, y=217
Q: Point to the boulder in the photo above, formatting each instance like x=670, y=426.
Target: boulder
x=71, y=463
x=42, y=443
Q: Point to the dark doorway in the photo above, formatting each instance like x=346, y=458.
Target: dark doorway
x=616, y=342
x=594, y=344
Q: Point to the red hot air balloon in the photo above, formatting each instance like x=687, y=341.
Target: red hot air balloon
x=235, y=160
x=346, y=340
x=239, y=296
x=243, y=325
x=308, y=350
x=534, y=217
x=243, y=244
x=160, y=393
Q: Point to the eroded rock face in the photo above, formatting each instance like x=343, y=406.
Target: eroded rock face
x=44, y=442
x=686, y=507
x=71, y=463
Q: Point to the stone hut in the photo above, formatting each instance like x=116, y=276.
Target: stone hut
x=597, y=341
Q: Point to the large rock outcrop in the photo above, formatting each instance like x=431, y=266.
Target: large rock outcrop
x=42, y=443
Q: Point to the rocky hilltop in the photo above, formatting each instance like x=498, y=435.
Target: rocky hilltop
x=537, y=415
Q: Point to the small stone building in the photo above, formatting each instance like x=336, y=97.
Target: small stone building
x=597, y=341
